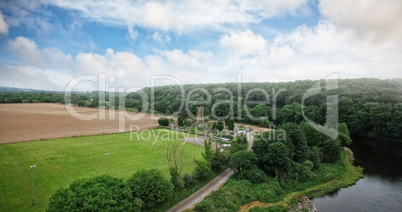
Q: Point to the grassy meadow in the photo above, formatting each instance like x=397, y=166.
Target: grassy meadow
x=61, y=161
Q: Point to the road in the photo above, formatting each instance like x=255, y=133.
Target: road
x=199, y=195
x=214, y=185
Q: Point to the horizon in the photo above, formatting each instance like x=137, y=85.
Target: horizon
x=44, y=45
x=201, y=84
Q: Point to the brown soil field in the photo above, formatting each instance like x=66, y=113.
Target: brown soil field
x=26, y=122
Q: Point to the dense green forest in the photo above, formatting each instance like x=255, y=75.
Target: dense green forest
x=370, y=107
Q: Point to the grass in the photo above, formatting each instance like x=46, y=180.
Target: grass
x=61, y=161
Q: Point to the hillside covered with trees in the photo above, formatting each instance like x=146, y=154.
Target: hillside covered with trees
x=370, y=107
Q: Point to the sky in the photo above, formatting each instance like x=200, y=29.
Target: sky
x=50, y=44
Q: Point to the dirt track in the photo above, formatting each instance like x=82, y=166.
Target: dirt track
x=26, y=122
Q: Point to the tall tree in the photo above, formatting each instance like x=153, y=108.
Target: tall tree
x=150, y=186
x=243, y=160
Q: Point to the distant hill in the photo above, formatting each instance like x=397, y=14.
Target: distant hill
x=12, y=89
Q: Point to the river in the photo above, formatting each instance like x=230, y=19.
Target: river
x=381, y=187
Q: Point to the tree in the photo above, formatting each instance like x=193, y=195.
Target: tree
x=175, y=156
x=275, y=157
x=207, y=149
x=259, y=111
x=163, y=121
x=175, y=179
x=103, y=193
x=314, y=157
x=202, y=169
x=150, y=186
x=219, y=160
x=243, y=160
x=332, y=150
x=296, y=137
x=218, y=126
x=180, y=121
x=176, y=160
x=313, y=137
x=290, y=114
x=229, y=123
x=239, y=143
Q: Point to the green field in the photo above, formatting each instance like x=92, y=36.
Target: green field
x=61, y=161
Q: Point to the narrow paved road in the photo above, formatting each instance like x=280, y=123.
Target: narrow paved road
x=214, y=185
x=199, y=195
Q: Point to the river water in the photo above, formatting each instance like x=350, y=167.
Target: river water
x=381, y=187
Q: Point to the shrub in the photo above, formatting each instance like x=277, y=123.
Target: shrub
x=163, y=121
x=255, y=175
x=189, y=181
x=175, y=179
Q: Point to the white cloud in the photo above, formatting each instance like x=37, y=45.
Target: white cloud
x=315, y=52
x=160, y=38
x=181, y=16
x=3, y=25
x=245, y=42
x=27, y=50
x=379, y=21
x=271, y=8
x=158, y=16
x=32, y=77
x=56, y=58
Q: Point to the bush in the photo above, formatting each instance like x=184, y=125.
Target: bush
x=103, y=193
x=255, y=175
x=175, y=179
x=163, y=121
x=150, y=186
x=202, y=169
x=189, y=181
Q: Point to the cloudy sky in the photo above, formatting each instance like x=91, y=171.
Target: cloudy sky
x=44, y=44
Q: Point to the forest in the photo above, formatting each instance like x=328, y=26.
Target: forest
x=370, y=107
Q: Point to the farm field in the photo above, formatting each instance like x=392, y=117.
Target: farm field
x=61, y=161
x=27, y=122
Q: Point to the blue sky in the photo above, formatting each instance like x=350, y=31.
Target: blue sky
x=45, y=44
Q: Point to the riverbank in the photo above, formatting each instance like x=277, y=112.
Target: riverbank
x=381, y=187
x=350, y=175
x=242, y=195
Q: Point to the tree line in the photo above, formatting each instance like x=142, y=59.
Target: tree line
x=370, y=107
